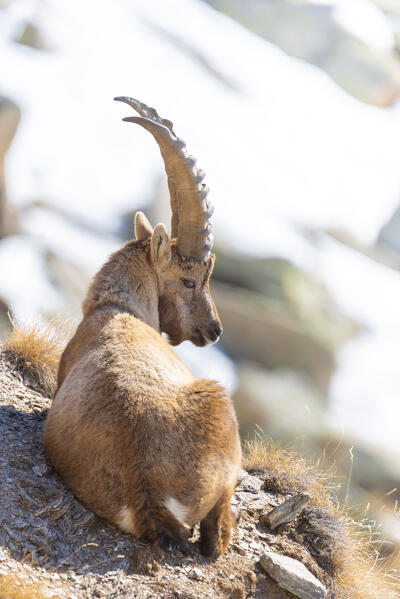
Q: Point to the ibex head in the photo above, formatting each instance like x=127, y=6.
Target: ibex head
x=183, y=264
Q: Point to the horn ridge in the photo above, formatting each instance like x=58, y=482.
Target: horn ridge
x=190, y=209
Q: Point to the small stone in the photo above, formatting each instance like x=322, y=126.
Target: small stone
x=240, y=549
x=270, y=539
x=244, y=497
x=291, y=575
x=254, y=545
x=259, y=501
x=197, y=574
x=251, y=484
x=31, y=36
x=242, y=475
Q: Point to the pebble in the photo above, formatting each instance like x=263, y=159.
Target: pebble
x=197, y=574
x=241, y=549
x=271, y=540
x=255, y=545
x=251, y=484
x=40, y=469
x=242, y=474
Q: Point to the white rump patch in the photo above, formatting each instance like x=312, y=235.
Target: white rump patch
x=126, y=520
x=176, y=508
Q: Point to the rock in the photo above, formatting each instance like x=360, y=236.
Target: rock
x=266, y=331
x=389, y=235
x=70, y=279
x=40, y=469
x=252, y=501
x=292, y=576
x=250, y=484
x=197, y=574
x=241, y=548
x=260, y=501
x=281, y=401
x=312, y=32
x=5, y=325
x=286, y=511
x=242, y=474
x=270, y=539
x=31, y=36
x=301, y=294
x=249, y=493
x=9, y=119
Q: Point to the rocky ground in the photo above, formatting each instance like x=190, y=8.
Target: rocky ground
x=48, y=538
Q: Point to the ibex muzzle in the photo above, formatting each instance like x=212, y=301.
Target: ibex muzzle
x=186, y=308
x=132, y=433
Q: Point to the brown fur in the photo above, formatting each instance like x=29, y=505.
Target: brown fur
x=130, y=428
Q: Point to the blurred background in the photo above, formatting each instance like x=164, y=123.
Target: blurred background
x=292, y=107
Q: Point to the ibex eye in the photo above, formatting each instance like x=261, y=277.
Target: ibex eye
x=188, y=283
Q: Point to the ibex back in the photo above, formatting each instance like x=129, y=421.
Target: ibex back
x=132, y=433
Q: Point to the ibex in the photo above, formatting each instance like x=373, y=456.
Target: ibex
x=131, y=432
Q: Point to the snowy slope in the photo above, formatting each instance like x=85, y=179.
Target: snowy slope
x=272, y=133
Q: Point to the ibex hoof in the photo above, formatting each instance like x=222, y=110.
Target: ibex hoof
x=167, y=542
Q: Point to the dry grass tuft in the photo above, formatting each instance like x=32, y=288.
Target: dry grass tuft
x=13, y=586
x=35, y=352
x=347, y=550
x=286, y=471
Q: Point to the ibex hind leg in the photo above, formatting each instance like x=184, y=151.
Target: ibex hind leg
x=168, y=542
x=216, y=527
x=171, y=534
x=163, y=530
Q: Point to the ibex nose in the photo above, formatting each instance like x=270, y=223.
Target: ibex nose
x=214, y=330
x=218, y=328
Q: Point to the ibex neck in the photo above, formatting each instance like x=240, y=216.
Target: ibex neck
x=128, y=282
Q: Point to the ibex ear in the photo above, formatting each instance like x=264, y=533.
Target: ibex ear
x=160, y=245
x=143, y=228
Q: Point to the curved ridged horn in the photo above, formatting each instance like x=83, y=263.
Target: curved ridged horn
x=190, y=208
